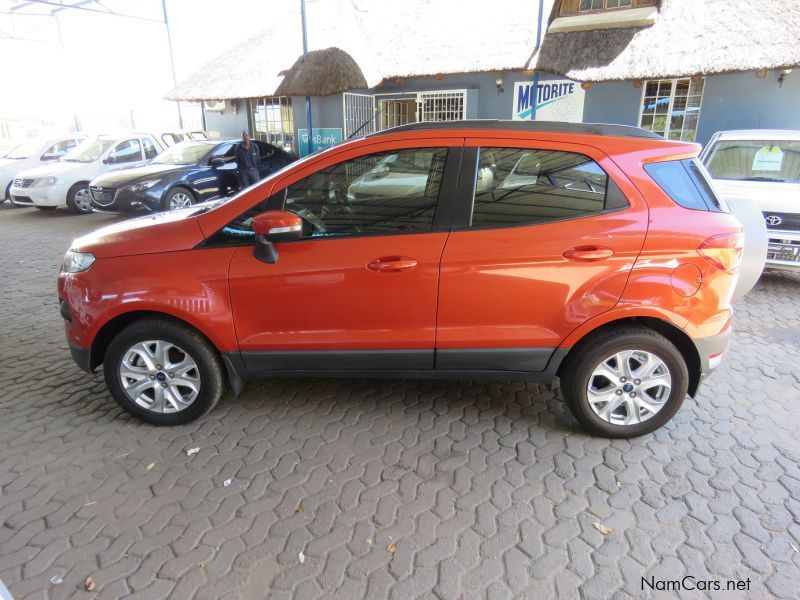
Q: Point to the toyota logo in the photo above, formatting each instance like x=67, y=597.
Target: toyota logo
x=773, y=220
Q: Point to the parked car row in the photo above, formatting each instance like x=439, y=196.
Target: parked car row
x=131, y=171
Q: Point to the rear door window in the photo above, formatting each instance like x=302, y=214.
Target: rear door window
x=127, y=151
x=150, y=150
x=524, y=186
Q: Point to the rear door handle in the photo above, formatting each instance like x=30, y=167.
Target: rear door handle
x=588, y=253
x=392, y=264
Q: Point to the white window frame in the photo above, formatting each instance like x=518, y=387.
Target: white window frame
x=671, y=103
x=274, y=128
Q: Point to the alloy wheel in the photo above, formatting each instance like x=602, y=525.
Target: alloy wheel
x=83, y=200
x=629, y=387
x=180, y=200
x=159, y=376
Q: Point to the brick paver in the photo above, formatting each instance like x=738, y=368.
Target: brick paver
x=369, y=488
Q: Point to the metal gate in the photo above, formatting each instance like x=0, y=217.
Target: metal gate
x=365, y=113
x=359, y=114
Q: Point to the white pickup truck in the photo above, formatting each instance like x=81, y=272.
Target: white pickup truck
x=762, y=165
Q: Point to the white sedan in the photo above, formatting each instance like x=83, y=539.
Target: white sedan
x=66, y=181
x=33, y=153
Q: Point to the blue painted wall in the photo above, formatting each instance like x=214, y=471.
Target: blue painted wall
x=612, y=103
x=743, y=101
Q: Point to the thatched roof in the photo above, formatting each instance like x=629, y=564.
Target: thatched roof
x=689, y=37
x=356, y=44
x=323, y=72
x=367, y=41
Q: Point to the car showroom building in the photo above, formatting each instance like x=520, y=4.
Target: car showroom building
x=682, y=68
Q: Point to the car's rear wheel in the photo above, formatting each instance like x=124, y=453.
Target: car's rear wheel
x=163, y=373
x=625, y=382
x=79, y=199
x=178, y=198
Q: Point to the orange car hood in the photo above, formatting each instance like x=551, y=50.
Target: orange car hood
x=162, y=232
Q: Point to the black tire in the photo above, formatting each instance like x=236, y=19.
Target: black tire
x=7, y=194
x=209, y=368
x=588, y=355
x=79, y=208
x=46, y=208
x=166, y=203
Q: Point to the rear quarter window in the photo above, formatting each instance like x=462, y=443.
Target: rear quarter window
x=685, y=183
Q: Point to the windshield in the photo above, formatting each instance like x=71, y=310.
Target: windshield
x=88, y=151
x=25, y=150
x=185, y=153
x=755, y=160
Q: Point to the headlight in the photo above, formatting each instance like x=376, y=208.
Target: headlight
x=144, y=185
x=45, y=182
x=75, y=262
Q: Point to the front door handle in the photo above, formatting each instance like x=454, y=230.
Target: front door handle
x=392, y=264
x=588, y=253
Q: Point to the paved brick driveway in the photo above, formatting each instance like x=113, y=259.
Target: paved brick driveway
x=402, y=489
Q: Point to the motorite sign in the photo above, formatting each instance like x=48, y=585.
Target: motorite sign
x=556, y=100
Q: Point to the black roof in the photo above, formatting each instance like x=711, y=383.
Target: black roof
x=509, y=125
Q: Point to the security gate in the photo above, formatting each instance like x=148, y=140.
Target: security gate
x=365, y=113
x=359, y=114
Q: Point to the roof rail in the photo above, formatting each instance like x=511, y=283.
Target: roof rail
x=509, y=125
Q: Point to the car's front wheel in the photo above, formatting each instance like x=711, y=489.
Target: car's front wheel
x=79, y=199
x=163, y=373
x=178, y=198
x=625, y=382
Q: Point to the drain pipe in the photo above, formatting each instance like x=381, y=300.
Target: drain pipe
x=535, y=89
x=305, y=57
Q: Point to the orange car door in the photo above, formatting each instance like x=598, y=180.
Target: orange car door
x=544, y=237
x=359, y=290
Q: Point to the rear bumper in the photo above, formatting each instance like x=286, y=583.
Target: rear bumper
x=711, y=350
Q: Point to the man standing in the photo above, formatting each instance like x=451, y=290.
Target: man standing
x=247, y=161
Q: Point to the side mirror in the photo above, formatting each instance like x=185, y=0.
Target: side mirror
x=217, y=162
x=274, y=226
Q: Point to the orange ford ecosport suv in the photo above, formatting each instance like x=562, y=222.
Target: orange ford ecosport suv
x=595, y=254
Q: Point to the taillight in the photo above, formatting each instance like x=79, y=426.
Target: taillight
x=724, y=251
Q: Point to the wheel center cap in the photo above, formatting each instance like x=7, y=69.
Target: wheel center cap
x=627, y=388
x=161, y=377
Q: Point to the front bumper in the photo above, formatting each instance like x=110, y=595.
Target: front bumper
x=783, y=250
x=81, y=356
x=124, y=200
x=53, y=195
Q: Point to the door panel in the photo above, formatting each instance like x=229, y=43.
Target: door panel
x=528, y=286
x=321, y=295
x=361, y=285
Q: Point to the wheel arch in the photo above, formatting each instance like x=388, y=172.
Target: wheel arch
x=674, y=334
x=116, y=324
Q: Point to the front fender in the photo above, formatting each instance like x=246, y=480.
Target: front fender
x=190, y=285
